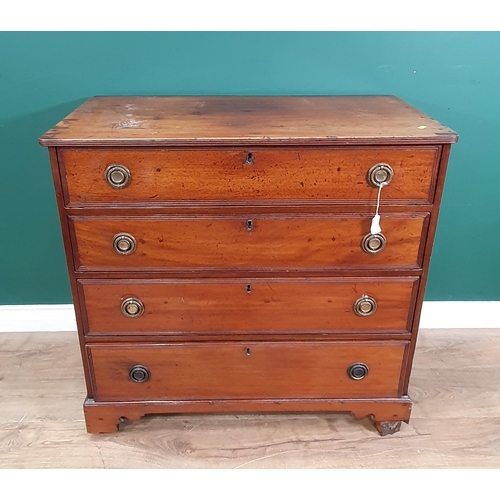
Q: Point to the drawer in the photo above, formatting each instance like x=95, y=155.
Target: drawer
x=245, y=370
x=251, y=242
x=249, y=305
x=230, y=175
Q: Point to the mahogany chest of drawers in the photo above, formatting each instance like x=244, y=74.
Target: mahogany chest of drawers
x=222, y=255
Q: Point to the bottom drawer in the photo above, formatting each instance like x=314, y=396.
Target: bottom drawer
x=253, y=370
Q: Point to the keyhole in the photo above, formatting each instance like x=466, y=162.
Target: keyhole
x=249, y=288
x=248, y=352
x=249, y=225
x=249, y=159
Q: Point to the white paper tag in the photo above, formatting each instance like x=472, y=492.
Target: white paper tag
x=375, y=229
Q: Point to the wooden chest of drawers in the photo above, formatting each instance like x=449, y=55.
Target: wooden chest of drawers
x=222, y=257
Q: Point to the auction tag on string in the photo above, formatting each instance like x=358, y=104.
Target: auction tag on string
x=375, y=228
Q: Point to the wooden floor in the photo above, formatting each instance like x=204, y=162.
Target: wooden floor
x=455, y=422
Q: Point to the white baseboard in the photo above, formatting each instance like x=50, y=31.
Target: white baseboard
x=455, y=314
x=34, y=318
x=61, y=318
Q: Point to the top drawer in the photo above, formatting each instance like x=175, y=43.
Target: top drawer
x=277, y=175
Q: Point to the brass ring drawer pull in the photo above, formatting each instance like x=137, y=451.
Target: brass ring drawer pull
x=357, y=371
x=381, y=172
x=139, y=374
x=118, y=176
x=124, y=243
x=373, y=243
x=132, y=307
x=365, y=306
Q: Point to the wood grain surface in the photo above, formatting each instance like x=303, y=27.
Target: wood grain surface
x=275, y=242
x=108, y=417
x=321, y=174
x=455, y=421
x=205, y=120
x=239, y=371
x=227, y=306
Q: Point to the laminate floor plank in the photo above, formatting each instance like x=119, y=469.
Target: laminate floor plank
x=455, y=420
x=41, y=377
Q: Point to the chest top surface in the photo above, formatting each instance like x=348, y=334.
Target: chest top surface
x=145, y=121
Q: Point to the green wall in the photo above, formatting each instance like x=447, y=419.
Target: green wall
x=453, y=77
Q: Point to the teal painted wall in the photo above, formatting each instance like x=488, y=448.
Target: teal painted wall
x=453, y=77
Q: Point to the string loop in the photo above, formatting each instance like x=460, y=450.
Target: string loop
x=375, y=227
